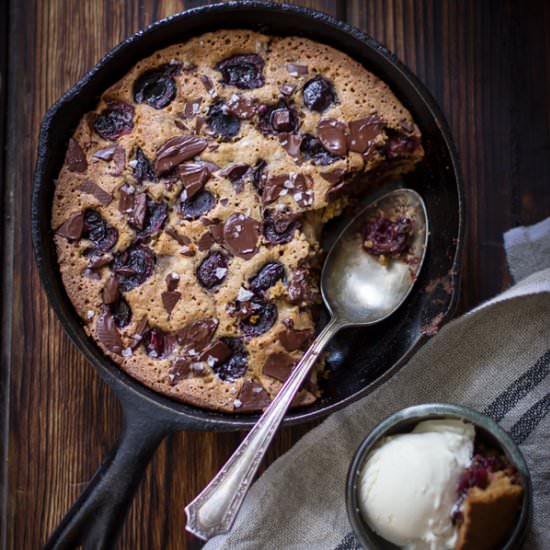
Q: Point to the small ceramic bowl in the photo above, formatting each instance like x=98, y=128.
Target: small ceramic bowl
x=404, y=421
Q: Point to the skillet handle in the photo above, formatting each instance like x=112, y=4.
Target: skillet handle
x=95, y=518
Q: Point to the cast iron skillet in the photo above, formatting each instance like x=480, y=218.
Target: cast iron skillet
x=360, y=359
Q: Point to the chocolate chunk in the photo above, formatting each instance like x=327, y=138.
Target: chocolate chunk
x=294, y=185
x=192, y=108
x=333, y=136
x=259, y=175
x=116, y=120
x=407, y=126
x=363, y=133
x=121, y=312
x=318, y=94
x=140, y=329
x=287, y=89
x=334, y=177
x=158, y=344
x=242, y=107
x=292, y=339
x=277, y=118
x=252, y=397
x=199, y=123
x=297, y=70
x=208, y=84
x=106, y=153
x=193, y=175
x=143, y=171
x=75, y=158
x=179, y=124
x=196, y=334
x=126, y=199
x=119, y=159
x=72, y=228
x=243, y=71
x=172, y=281
x=181, y=239
x=91, y=188
x=176, y=150
x=206, y=241
x=137, y=216
x=241, y=235
x=97, y=262
x=110, y=291
x=291, y=144
x=169, y=300
x=300, y=288
x=107, y=332
x=236, y=173
x=180, y=369
x=279, y=366
x=216, y=353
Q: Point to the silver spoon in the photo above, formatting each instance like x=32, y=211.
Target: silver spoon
x=358, y=291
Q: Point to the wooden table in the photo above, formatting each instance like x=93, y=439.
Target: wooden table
x=487, y=63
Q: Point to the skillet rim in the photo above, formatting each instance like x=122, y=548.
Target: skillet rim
x=128, y=389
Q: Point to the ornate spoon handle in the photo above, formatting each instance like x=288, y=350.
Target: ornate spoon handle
x=214, y=510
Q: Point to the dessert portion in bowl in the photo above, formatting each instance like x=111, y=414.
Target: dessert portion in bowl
x=188, y=212
x=440, y=486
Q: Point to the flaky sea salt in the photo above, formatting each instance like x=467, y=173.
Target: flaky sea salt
x=127, y=352
x=90, y=314
x=237, y=403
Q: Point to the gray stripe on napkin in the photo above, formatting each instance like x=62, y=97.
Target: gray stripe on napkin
x=523, y=428
x=509, y=398
x=349, y=542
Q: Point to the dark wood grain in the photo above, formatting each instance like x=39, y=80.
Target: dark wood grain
x=488, y=65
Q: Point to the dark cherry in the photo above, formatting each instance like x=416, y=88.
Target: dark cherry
x=278, y=118
x=318, y=94
x=133, y=266
x=96, y=229
x=143, y=169
x=121, y=312
x=312, y=149
x=114, y=121
x=197, y=205
x=242, y=71
x=224, y=124
x=279, y=228
x=156, y=343
x=262, y=318
x=235, y=366
x=213, y=270
x=268, y=275
x=156, y=214
x=384, y=237
x=157, y=87
x=259, y=176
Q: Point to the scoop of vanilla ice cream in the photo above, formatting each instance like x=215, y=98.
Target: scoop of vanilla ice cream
x=409, y=481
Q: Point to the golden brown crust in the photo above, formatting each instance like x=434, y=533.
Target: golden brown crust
x=491, y=513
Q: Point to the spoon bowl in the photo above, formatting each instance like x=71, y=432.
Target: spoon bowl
x=357, y=287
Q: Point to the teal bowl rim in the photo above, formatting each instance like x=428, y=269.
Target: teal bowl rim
x=405, y=419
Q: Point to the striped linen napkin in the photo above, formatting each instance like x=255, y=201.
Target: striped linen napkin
x=495, y=359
